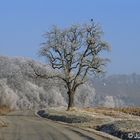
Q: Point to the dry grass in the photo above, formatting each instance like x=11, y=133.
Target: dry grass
x=104, y=111
x=4, y=110
x=115, y=112
x=124, y=120
x=130, y=110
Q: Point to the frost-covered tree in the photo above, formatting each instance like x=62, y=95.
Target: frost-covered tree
x=76, y=53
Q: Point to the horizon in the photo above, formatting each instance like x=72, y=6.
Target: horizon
x=24, y=23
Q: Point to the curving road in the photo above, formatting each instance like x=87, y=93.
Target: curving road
x=24, y=125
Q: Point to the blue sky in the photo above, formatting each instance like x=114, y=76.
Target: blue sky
x=22, y=24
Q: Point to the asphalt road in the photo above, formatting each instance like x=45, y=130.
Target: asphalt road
x=24, y=125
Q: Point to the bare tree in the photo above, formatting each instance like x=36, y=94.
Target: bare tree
x=76, y=52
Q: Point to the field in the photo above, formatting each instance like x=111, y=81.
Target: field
x=119, y=122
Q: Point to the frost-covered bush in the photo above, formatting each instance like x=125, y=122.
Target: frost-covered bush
x=85, y=95
x=7, y=96
x=20, y=88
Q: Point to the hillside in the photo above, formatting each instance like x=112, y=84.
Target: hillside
x=20, y=88
x=118, y=90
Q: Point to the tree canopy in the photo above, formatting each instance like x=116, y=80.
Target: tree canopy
x=76, y=52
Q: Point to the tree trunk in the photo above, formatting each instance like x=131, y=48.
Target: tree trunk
x=70, y=100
